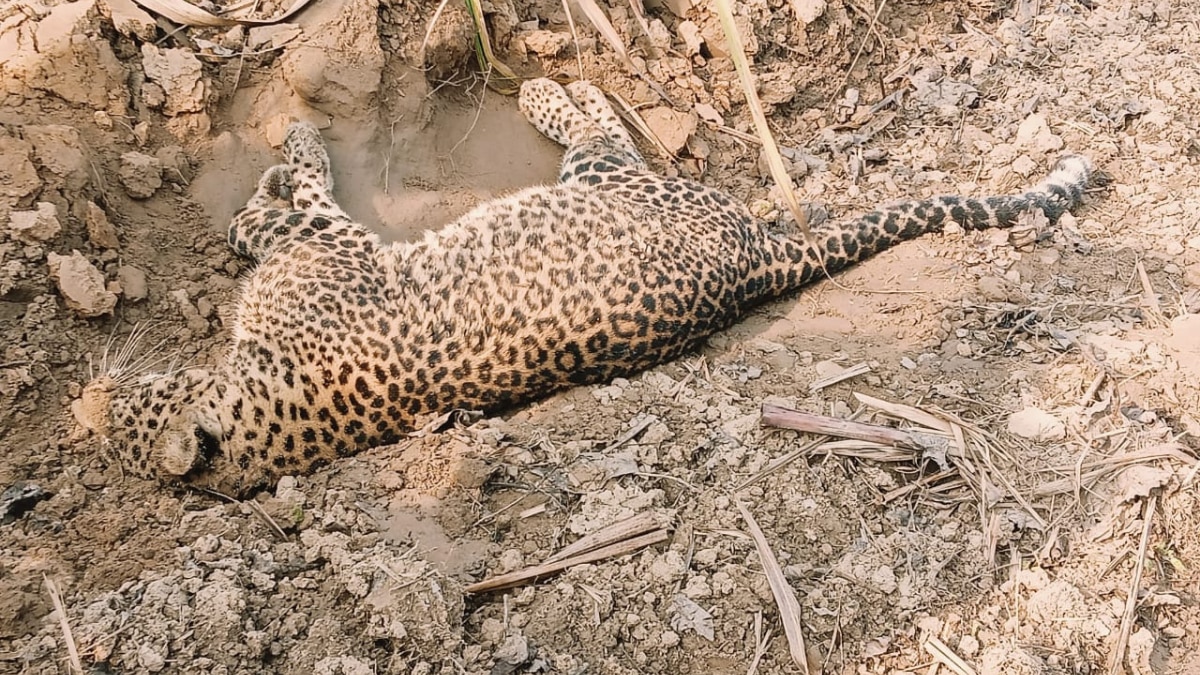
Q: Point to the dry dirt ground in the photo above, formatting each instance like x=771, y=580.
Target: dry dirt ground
x=126, y=143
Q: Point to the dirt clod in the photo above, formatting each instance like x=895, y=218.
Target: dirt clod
x=1036, y=424
x=81, y=285
x=671, y=127
x=141, y=174
x=179, y=74
x=64, y=54
x=131, y=20
x=39, y=225
x=133, y=282
x=100, y=231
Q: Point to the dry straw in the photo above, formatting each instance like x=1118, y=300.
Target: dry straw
x=774, y=160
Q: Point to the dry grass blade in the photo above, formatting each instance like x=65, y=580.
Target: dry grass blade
x=601, y=23
x=72, y=648
x=1116, y=659
x=774, y=160
x=778, y=416
x=1149, y=296
x=905, y=412
x=948, y=440
x=546, y=569
x=566, y=5
x=863, y=44
x=875, y=452
x=639, y=12
x=851, y=372
x=785, y=597
x=972, y=451
x=925, y=483
x=944, y=655
x=502, y=78
x=1088, y=473
x=630, y=527
x=781, y=462
x=437, y=14
x=635, y=119
x=790, y=457
x=187, y=14
x=262, y=515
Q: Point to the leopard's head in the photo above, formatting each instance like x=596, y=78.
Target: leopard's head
x=158, y=425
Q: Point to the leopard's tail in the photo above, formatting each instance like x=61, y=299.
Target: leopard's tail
x=840, y=245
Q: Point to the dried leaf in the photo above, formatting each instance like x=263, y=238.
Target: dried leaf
x=690, y=616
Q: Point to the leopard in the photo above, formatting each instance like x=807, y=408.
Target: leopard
x=342, y=342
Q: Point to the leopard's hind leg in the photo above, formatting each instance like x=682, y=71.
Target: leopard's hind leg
x=594, y=153
x=254, y=226
x=312, y=174
x=592, y=102
x=292, y=200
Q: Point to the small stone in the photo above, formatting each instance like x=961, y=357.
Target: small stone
x=150, y=659
x=809, y=11
x=907, y=363
x=672, y=128
x=546, y=43
x=514, y=650
x=100, y=231
x=511, y=560
x=670, y=639
x=35, y=226
x=1024, y=165
x=678, y=7
x=692, y=38
x=828, y=368
x=179, y=73
x=131, y=20
x=233, y=38
x=994, y=288
x=175, y=165
x=1036, y=425
x=133, y=282
x=153, y=95
x=1034, y=132
x=140, y=174
x=276, y=35
x=141, y=133
x=81, y=284
x=60, y=150
x=103, y=120
x=1191, y=274
x=205, y=308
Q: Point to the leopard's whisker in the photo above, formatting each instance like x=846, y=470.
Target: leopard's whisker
x=140, y=330
x=129, y=379
x=112, y=337
x=147, y=360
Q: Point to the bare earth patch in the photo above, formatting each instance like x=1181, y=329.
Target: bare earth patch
x=1049, y=528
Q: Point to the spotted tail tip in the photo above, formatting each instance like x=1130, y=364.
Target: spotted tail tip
x=1071, y=170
